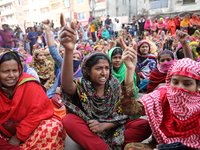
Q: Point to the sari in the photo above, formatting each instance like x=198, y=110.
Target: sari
x=153, y=27
x=88, y=105
x=174, y=113
x=171, y=26
x=44, y=70
x=160, y=25
x=145, y=63
x=166, y=21
x=147, y=24
x=121, y=74
x=156, y=77
x=29, y=105
x=76, y=65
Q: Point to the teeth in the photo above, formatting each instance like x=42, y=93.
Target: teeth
x=11, y=81
x=102, y=78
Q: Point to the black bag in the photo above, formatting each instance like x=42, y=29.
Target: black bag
x=172, y=146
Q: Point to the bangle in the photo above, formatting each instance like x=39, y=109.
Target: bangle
x=13, y=143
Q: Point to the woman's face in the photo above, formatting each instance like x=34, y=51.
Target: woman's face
x=76, y=56
x=184, y=82
x=165, y=58
x=88, y=44
x=81, y=49
x=99, y=73
x=61, y=51
x=9, y=73
x=41, y=57
x=117, y=60
x=98, y=49
x=144, y=49
x=23, y=53
x=47, y=55
x=104, y=29
x=22, y=62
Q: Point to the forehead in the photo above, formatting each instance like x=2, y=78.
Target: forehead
x=9, y=64
x=165, y=56
x=144, y=44
x=181, y=78
x=102, y=62
x=76, y=54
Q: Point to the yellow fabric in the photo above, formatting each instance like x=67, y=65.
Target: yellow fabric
x=193, y=43
x=162, y=20
x=92, y=28
x=185, y=22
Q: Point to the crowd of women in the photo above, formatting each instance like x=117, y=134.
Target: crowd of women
x=89, y=91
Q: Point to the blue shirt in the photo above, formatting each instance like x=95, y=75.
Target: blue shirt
x=31, y=35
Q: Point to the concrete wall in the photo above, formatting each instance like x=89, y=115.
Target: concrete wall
x=117, y=8
x=174, y=7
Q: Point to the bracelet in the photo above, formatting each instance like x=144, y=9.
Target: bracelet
x=13, y=143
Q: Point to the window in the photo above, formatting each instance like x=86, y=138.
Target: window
x=188, y=1
x=20, y=14
x=81, y=15
x=80, y=1
x=55, y=6
x=100, y=13
x=66, y=3
x=158, y=3
x=26, y=13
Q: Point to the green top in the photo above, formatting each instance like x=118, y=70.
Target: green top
x=121, y=74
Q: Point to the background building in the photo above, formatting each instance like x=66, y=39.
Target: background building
x=167, y=7
x=15, y=12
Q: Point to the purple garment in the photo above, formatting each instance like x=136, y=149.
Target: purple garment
x=0, y=40
x=91, y=18
x=198, y=60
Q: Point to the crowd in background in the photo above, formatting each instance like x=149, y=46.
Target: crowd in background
x=101, y=102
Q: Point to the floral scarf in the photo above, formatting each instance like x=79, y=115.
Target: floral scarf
x=45, y=70
x=174, y=113
x=88, y=105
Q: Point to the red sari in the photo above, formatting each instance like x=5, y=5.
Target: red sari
x=30, y=106
x=171, y=26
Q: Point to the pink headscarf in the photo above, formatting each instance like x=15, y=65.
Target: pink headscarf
x=174, y=113
x=166, y=20
x=76, y=51
x=29, y=57
x=147, y=24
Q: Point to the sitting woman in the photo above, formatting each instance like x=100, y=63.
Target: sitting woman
x=95, y=120
x=105, y=34
x=173, y=112
x=119, y=68
x=80, y=48
x=28, y=70
x=26, y=116
x=24, y=53
x=158, y=75
x=44, y=68
x=146, y=62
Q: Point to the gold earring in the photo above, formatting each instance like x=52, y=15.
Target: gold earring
x=198, y=89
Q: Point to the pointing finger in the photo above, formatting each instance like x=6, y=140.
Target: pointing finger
x=62, y=21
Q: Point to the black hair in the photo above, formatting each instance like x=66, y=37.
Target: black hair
x=8, y=56
x=198, y=82
x=116, y=51
x=166, y=52
x=93, y=61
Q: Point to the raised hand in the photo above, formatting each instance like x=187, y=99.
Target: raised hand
x=129, y=56
x=67, y=35
x=47, y=24
x=182, y=36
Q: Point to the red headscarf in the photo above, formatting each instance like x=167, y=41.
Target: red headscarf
x=174, y=113
x=194, y=20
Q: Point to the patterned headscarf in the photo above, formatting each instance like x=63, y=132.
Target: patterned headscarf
x=174, y=113
x=45, y=70
x=79, y=46
x=89, y=105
